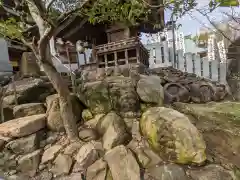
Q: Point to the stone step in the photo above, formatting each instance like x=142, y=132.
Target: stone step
x=24, y=126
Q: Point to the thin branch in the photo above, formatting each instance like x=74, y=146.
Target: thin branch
x=214, y=25
x=70, y=12
x=44, y=42
x=50, y=4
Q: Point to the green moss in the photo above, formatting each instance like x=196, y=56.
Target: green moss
x=150, y=130
x=87, y=115
x=237, y=173
x=228, y=112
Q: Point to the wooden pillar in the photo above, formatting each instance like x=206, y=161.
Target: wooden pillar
x=115, y=58
x=105, y=60
x=138, y=54
x=93, y=53
x=126, y=56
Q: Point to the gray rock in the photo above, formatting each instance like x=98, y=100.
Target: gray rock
x=2, y=143
x=30, y=90
x=167, y=172
x=23, y=86
x=9, y=100
x=18, y=177
x=93, y=122
x=73, y=176
x=98, y=167
x=122, y=164
x=23, y=126
x=172, y=135
x=213, y=172
x=7, y=161
x=28, y=109
x=54, y=119
x=29, y=163
x=73, y=148
x=114, y=131
x=50, y=153
x=45, y=175
x=24, y=145
x=150, y=90
x=146, y=157
x=88, y=154
x=62, y=165
x=123, y=96
x=88, y=134
x=96, y=96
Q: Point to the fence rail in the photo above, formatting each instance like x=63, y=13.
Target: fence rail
x=162, y=56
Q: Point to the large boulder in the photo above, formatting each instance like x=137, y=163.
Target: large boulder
x=54, y=119
x=28, y=164
x=24, y=145
x=88, y=154
x=97, y=171
x=211, y=172
x=30, y=90
x=24, y=126
x=123, y=96
x=96, y=97
x=150, y=90
x=172, y=135
x=28, y=109
x=62, y=165
x=122, y=164
x=114, y=131
x=219, y=124
x=166, y=172
x=50, y=154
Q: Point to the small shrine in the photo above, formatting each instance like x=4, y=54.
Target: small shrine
x=113, y=44
x=123, y=47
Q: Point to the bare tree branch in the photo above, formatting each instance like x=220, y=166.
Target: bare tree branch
x=50, y=4
x=214, y=25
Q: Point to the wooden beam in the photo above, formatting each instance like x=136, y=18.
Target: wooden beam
x=76, y=29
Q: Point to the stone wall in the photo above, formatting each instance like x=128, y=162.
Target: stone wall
x=126, y=133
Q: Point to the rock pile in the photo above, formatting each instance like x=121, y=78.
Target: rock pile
x=187, y=87
x=177, y=86
x=126, y=134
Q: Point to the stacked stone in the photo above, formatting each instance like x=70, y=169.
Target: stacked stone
x=125, y=133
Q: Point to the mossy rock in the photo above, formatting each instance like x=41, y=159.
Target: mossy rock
x=96, y=97
x=172, y=135
x=87, y=115
x=220, y=126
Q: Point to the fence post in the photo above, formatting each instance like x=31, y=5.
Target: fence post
x=198, y=65
x=214, y=69
x=205, y=67
x=181, y=60
x=223, y=72
x=166, y=54
x=189, y=62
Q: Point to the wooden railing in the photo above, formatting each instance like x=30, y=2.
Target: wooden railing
x=112, y=46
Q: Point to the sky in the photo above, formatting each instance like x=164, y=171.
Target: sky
x=190, y=24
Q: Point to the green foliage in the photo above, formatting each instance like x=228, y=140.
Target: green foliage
x=10, y=28
x=129, y=12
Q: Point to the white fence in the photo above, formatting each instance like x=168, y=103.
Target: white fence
x=162, y=56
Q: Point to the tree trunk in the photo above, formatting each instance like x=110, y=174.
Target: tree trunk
x=66, y=109
x=233, y=75
x=44, y=60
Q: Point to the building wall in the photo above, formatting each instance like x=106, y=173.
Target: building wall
x=5, y=65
